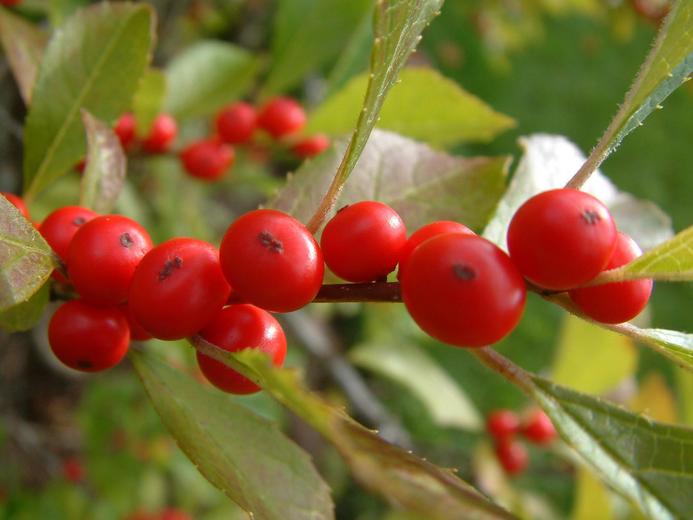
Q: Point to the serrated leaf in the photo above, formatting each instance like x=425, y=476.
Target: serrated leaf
x=448, y=405
x=244, y=455
x=612, y=357
x=420, y=183
x=671, y=261
x=25, y=315
x=104, y=175
x=206, y=76
x=23, y=43
x=308, y=34
x=148, y=99
x=677, y=346
x=26, y=260
x=548, y=161
x=94, y=62
x=407, y=482
x=423, y=105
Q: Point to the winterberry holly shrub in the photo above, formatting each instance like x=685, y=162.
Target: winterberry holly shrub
x=384, y=242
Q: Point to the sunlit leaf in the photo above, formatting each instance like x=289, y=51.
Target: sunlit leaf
x=677, y=346
x=655, y=399
x=25, y=315
x=148, y=99
x=244, y=455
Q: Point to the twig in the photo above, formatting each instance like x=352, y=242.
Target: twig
x=359, y=292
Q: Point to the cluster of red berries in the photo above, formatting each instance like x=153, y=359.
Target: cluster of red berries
x=505, y=425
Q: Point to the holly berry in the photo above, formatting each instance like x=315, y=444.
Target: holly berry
x=207, y=159
x=73, y=469
x=424, y=233
x=102, y=258
x=177, y=288
x=512, y=455
x=463, y=290
x=239, y=327
x=538, y=428
x=561, y=239
x=88, y=338
x=502, y=424
x=17, y=202
x=125, y=128
x=161, y=135
x=10, y=3
x=236, y=123
x=615, y=302
x=363, y=241
x=137, y=333
x=311, y=146
x=281, y=116
x=271, y=260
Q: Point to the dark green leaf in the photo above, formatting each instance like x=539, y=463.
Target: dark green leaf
x=26, y=314
x=106, y=166
x=148, y=99
x=422, y=184
x=244, y=455
x=93, y=62
x=206, y=76
x=26, y=260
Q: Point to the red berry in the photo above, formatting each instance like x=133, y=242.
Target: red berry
x=177, y=288
x=502, y=424
x=271, y=260
x=17, y=202
x=512, y=455
x=363, y=241
x=424, y=233
x=236, y=123
x=463, y=290
x=239, y=327
x=538, y=428
x=173, y=514
x=207, y=159
x=137, y=333
x=102, y=258
x=73, y=470
x=88, y=338
x=81, y=166
x=615, y=302
x=125, y=129
x=561, y=239
x=281, y=116
x=161, y=135
x=10, y=3
x=311, y=146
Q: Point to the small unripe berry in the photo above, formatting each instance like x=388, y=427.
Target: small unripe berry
x=502, y=424
x=207, y=159
x=281, y=116
x=236, y=123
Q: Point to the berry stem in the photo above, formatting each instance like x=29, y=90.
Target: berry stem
x=359, y=292
x=504, y=367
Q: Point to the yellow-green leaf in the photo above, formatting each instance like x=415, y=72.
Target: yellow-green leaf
x=592, y=499
x=148, y=99
x=655, y=399
x=25, y=315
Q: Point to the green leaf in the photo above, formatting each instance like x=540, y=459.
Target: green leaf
x=423, y=105
x=677, y=346
x=307, y=35
x=353, y=59
x=671, y=261
x=612, y=357
x=244, y=455
x=23, y=43
x=407, y=482
x=548, y=161
x=148, y=99
x=94, y=62
x=206, y=76
x=420, y=183
x=26, y=260
x=25, y=315
x=448, y=404
x=106, y=166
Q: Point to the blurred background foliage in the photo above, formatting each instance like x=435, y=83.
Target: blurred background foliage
x=93, y=447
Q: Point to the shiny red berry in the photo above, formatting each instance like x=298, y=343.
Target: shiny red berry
x=311, y=146
x=177, y=288
x=102, y=258
x=281, y=116
x=240, y=327
x=137, y=333
x=512, y=455
x=615, y=302
x=538, y=428
x=88, y=338
x=17, y=202
x=502, y=424
x=463, y=290
x=125, y=128
x=161, y=135
x=363, y=241
x=271, y=260
x=236, y=123
x=207, y=159
x=561, y=239
x=424, y=233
